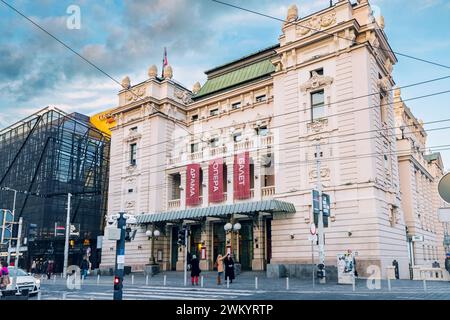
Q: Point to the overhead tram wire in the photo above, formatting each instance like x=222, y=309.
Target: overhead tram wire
x=329, y=116
x=84, y=59
x=140, y=99
x=331, y=34
x=307, y=163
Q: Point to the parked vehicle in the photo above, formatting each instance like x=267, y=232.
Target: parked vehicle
x=25, y=281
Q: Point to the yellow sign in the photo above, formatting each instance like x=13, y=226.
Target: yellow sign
x=104, y=121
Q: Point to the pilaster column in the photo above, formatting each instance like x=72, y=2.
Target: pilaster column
x=258, y=182
x=166, y=245
x=259, y=242
x=230, y=186
x=206, y=239
x=205, y=185
x=183, y=190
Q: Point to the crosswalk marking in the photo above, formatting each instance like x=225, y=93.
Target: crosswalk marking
x=165, y=293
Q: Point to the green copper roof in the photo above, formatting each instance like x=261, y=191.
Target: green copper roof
x=233, y=78
x=251, y=208
x=432, y=156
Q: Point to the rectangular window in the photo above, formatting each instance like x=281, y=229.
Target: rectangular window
x=134, y=129
x=318, y=71
x=317, y=105
x=237, y=137
x=194, y=147
x=236, y=105
x=214, y=112
x=133, y=152
x=194, y=117
x=261, y=98
x=130, y=190
x=383, y=108
x=262, y=131
x=214, y=142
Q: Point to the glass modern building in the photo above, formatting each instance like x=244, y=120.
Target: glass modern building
x=44, y=157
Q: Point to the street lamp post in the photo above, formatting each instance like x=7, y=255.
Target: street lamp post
x=234, y=228
x=152, y=235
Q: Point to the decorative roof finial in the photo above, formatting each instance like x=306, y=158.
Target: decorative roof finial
x=196, y=88
x=126, y=82
x=292, y=14
x=168, y=72
x=152, y=71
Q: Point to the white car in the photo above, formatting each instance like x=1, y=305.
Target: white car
x=25, y=281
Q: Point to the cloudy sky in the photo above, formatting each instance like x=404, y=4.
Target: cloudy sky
x=126, y=37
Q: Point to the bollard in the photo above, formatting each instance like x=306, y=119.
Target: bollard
x=353, y=283
x=165, y=280
x=132, y=279
x=201, y=281
x=389, y=284
x=146, y=280
x=228, y=283
x=64, y=296
x=82, y=279
x=287, y=283
x=424, y=285
x=256, y=283
x=39, y=295
x=54, y=279
x=98, y=279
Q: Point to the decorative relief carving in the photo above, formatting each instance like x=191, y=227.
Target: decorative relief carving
x=131, y=169
x=388, y=65
x=318, y=125
x=315, y=82
x=384, y=83
x=317, y=23
x=292, y=14
x=324, y=173
x=135, y=94
x=183, y=96
x=130, y=204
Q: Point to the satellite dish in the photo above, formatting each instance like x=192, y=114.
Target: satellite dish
x=444, y=188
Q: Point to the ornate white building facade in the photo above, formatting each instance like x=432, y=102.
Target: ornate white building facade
x=242, y=149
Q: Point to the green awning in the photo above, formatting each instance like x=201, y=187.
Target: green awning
x=248, y=208
x=233, y=78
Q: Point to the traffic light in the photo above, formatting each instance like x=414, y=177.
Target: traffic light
x=117, y=283
x=32, y=232
x=321, y=271
x=181, y=237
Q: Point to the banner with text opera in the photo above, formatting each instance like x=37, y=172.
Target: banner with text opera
x=215, y=177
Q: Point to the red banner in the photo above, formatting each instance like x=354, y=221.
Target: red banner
x=242, y=175
x=193, y=184
x=215, y=179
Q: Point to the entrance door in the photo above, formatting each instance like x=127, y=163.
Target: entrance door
x=246, y=245
x=218, y=240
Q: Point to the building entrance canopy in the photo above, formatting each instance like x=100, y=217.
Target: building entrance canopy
x=245, y=208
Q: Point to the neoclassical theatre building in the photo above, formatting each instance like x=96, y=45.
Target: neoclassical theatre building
x=236, y=158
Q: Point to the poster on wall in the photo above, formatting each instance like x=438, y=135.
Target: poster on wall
x=215, y=177
x=242, y=175
x=346, y=268
x=193, y=184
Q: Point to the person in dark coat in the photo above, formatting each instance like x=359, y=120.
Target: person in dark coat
x=50, y=266
x=84, y=267
x=229, y=268
x=195, y=269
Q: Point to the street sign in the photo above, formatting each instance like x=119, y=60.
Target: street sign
x=60, y=230
x=75, y=230
x=11, y=249
x=417, y=238
x=112, y=233
x=325, y=209
x=444, y=188
x=313, y=229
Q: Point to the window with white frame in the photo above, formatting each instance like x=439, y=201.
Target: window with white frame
x=133, y=154
x=214, y=112
x=235, y=106
x=317, y=105
x=237, y=137
x=214, y=142
x=194, y=147
x=261, y=98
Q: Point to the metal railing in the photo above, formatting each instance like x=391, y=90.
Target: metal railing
x=267, y=191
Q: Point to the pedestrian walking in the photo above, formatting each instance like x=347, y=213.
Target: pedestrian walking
x=33, y=267
x=84, y=267
x=4, y=276
x=195, y=270
x=219, y=266
x=229, y=268
x=50, y=267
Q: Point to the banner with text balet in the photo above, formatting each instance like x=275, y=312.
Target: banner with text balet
x=193, y=184
x=215, y=179
x=241, y=175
